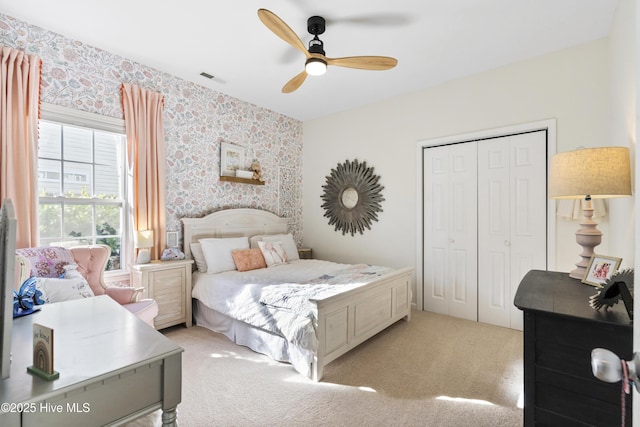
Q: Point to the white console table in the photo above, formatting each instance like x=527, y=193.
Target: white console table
x=113, y=369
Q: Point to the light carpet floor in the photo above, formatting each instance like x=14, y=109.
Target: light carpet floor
x=432, y=371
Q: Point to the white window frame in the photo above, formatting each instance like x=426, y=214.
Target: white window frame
x=70, y=116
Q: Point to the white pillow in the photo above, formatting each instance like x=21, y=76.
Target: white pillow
x=198, y=257
x=71, y=271
x=56, y=290
x=286, y=239
x=217, y=252
x=273, y=252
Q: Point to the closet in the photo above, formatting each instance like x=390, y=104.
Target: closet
x=485, y=224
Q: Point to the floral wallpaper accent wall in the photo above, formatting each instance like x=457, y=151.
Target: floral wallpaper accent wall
x=196, y=120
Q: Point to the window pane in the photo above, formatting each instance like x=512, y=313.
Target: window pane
x=50, y=216
x=108, y=182
x=78, y=144
x=108, y=147
x=109, y=167
x=108, y=220
x=49, y=173
x=114, y=244
x=78, y=180
x=78, y=220
x=50, y=140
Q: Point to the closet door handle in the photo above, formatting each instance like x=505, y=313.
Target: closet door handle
x=507, y=243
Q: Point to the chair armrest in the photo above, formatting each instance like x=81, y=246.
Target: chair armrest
x=123, y=294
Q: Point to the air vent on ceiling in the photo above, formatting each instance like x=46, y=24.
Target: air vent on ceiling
x=207, y=75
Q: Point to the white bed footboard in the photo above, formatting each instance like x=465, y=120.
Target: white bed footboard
x=348, y=319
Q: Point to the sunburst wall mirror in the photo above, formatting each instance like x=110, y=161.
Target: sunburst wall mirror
x=352, y=197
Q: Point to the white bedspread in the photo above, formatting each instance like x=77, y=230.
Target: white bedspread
x=276, y=299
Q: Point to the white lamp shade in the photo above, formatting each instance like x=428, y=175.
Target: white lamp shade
x=597, y=172
x=143, y=239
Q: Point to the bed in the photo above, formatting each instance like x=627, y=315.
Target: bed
x=324, y=318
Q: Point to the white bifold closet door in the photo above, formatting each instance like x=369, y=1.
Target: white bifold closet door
x=512, y=222
x=484, y=225
x=450, y=251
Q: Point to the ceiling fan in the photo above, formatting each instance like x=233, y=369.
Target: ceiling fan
x=316, y=62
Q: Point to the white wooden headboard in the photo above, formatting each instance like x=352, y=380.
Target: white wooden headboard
x=232, y=223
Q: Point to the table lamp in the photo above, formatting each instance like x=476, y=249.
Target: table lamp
x=143, y=240
x=587, y=174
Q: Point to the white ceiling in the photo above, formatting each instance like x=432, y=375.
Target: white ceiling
x=434, y=41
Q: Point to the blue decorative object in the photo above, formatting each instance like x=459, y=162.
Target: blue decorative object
x=25, y=298
x=171, y=254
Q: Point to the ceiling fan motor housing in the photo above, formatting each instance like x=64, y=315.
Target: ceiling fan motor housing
x=316, y=25
x=316, y=46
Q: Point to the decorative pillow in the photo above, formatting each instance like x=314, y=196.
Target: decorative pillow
x=217, y=252
x=198, y=257
x=248, y=259
x=56, y=290
x=71, y=272
x=286, y=239
x=274, y=253
x=46, y=261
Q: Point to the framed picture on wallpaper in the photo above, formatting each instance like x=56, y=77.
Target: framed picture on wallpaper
x=173, y=239
x=231, y=159
x=600, y=269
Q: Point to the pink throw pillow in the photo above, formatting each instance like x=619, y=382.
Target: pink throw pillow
x=248, y=259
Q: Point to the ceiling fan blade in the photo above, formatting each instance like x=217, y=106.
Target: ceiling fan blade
x=384, y=19
x=281, y=29
x=364, y=62
x=295, y=82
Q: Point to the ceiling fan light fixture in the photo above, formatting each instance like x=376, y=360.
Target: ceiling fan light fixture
x=316, y=61
x=315, y=66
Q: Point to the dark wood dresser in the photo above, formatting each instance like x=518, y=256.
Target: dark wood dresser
x=560, y=330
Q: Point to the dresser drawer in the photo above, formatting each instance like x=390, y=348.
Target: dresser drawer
x=580, y=333
x=583, y=408
x=570, y=360
x=578, y=386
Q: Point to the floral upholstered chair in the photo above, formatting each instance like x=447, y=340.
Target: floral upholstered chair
x=57, y=264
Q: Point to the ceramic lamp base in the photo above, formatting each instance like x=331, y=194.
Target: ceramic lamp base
x=588, y=236
x=144, y=256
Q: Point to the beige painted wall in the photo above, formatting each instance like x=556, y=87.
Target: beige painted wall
x=623, y=124
x=572, y=86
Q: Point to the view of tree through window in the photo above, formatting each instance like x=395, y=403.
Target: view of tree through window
x=81, y=187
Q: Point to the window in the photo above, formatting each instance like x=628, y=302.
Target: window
x=82, y=181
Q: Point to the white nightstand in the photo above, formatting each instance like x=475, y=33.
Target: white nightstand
x=169, y=283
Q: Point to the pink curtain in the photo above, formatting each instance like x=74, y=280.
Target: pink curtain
x=146, y=161
x=19, y=113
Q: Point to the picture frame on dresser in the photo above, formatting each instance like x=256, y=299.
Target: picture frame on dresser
x=600, y=268
x=231, y=159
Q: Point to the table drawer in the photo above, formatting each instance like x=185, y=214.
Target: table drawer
x=101, y=402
